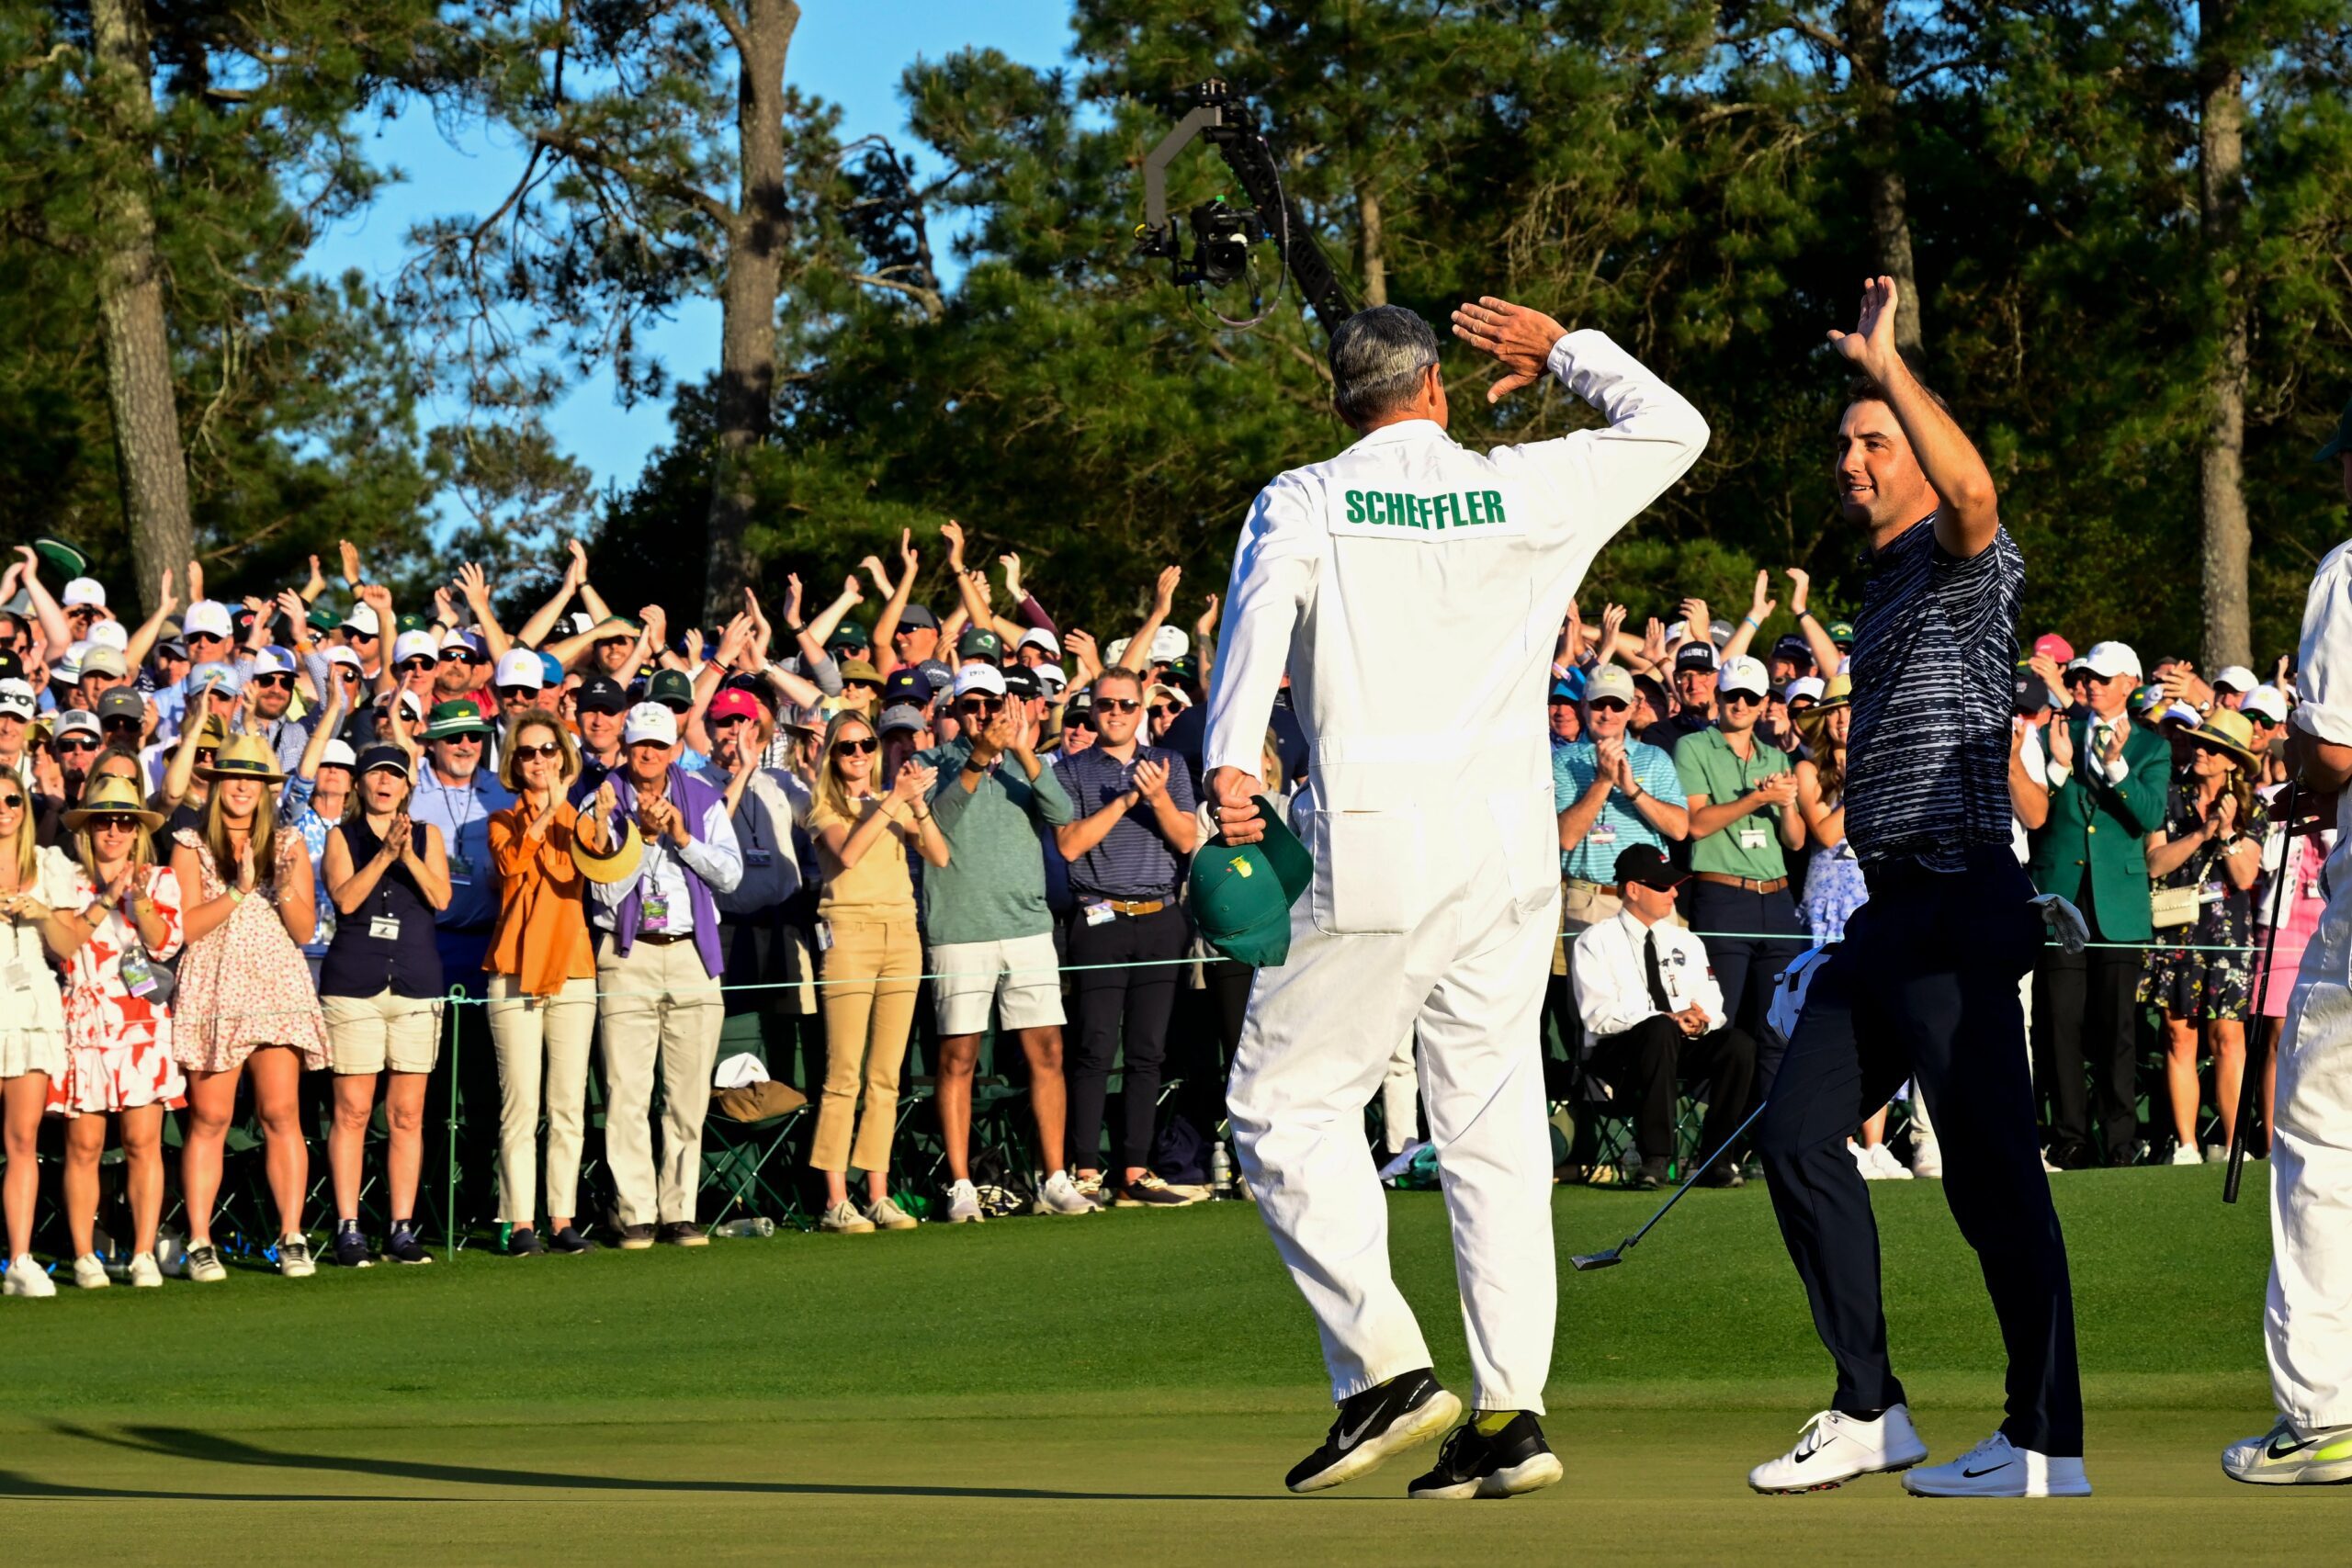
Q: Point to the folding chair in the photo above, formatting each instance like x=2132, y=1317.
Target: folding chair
x=737, y=1158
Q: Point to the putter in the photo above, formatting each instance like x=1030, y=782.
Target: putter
x=1585, y=1261
x=2250, y=1080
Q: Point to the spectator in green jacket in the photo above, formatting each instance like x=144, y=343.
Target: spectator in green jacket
x=2108, y=795
x=991, y=933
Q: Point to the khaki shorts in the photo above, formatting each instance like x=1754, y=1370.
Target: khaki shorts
x=370, y=1034
x=1022, y=976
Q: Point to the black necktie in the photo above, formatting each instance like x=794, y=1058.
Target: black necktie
x=1657, y=981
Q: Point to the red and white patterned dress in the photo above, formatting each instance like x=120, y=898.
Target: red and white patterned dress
x=118, y=1046
x=244, y=983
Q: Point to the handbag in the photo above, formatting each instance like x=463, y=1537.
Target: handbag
x=2171, y=906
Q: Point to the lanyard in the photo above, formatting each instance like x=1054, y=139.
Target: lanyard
x=463, y=816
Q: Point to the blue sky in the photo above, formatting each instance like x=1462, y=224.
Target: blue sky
x=851, y=52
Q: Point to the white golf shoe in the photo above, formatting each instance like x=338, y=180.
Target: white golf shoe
x=1834, y=1448
x=1928, y=1159
x=962, y=1204
x=2280, y=1458
x=27, y=1278
x=1996, y=1468
x=90, y=1273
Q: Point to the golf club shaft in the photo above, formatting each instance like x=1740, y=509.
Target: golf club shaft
x=1697, y=1170
x=2250, y=1080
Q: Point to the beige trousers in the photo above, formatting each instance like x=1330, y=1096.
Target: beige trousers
x=658, y=1003
x=538, y=1037
x=869, y=997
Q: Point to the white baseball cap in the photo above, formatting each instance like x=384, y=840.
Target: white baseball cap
x=207, y=617
x=415, y=645
x=17, y=697
x=76, y=721
x=2109, y=659
x=84, y=591
x=470, y=642
x=1038, y=636
x=2228, y=678
x=646, y=721
x=1169, y=643
x=339, y=654
x=1743, y=674
x=1118, y=652
x=521, y=667
x=338, y=754
x=215, y=674
x=980, y=678
x=97, y=659
x=1054, y=676
x=2266, y=702
x=362, y=620
x=67, y=672
x=1802, y=686
x=276, y=660
x=110, y=634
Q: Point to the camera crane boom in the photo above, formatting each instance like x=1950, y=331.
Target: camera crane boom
x=1222, y=234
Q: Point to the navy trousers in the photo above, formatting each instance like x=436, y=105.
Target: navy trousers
x=1925, y=986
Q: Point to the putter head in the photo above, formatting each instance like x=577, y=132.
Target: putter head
x=1584, y=1263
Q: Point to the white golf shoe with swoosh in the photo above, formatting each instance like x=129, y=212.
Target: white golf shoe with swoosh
x=1834, y=1448
x=2280, y=1457
x=1996, y=1468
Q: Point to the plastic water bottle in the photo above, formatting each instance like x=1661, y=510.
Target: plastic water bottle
x=757, y=1224
x=1220, y=1172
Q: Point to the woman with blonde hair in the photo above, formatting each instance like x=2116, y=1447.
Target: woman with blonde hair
x=380, y=985
x=34, y=887
x=542, y=983
x=245, y=1007
x=118, y=1022
x=871, y=972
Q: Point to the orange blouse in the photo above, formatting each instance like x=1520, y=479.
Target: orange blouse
x=542, y=935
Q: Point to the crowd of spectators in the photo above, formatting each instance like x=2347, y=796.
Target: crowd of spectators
x=242, y=842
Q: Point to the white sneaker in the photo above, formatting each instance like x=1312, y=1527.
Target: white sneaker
x=27, y=1278
x=885, y=1215
x=1834, y=1448
x=1060, y=1196
x=1994, y=1468
x=2186, y=1154
x=146, y=1274
x=962, y=1204
x=294, y=1260
x=843, y=1220
x=89, y=1273
x=203, y=1265
x=1090, y=1188
x=1889, y=1168
x=1862, y=1160
x=1928, y=1160
x=2217, y=1154
x=2278, y=1457
x=2050, y=1169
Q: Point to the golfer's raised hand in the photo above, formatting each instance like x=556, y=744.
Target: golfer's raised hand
x=1520, y=340
x=1233, y=797
x=1872, y=343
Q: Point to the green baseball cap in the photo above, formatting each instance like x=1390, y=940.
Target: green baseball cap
x=671, y=690
x=1841, y=632
x=449, y=719
x=61, y=556
x=1242, y=893
x=2339, y=443
x=978, y=642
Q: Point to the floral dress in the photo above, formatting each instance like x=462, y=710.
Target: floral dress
x=1834, y=889
x=2210, y=978
x=244, y=983
x=117, y=1045
x=32, y=1018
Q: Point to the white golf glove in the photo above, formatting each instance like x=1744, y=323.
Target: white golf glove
x=2065, y=922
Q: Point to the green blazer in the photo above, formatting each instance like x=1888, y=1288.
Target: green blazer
x=2102, y=829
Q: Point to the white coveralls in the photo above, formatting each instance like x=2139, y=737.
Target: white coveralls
x=1413, y=591
x=2307, y=1323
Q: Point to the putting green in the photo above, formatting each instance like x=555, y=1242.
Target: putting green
x=1124, y=1387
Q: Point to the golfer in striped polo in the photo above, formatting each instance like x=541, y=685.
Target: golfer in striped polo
x=1925, y=984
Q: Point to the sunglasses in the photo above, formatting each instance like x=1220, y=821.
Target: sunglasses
x=978, y=708
x=545, y=749
x=275, y=682
x=1608, y=704
x=195, y=637
x=515, y=693
x=1119, y=705
x=1159, y=712
x=418, y=661
x=348, y=673
x=119, y=722
x=79, y=743
x=866, y=684
x=204, y=754
x=11, y=802
x=456, y=656
x=115, y=824
x=732, y=720
x=859, y=747
x=1739, y=699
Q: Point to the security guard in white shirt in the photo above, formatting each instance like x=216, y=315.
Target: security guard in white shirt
x=1429, y=813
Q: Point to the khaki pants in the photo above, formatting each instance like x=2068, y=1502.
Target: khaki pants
x=657, y=1001
x=870, y=976
x=534, y=1036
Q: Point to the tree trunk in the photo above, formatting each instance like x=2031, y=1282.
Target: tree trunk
x=130, y=299
x=1375, y=260
x=746, y=392
x=2220, y=470
x=1879, y=136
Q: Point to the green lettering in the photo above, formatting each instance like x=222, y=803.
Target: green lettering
x=1355, y=506
x=1495, y=506
x=1478, y=514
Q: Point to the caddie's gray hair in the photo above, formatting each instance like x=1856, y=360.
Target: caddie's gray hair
x=1377, y=357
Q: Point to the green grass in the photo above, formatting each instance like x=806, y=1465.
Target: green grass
x=1128, y=1387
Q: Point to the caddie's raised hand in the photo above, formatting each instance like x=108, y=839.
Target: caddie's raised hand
x=1520, y=340
x=1872, y=343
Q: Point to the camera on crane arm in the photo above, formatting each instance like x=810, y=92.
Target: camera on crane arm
x=1223, y=232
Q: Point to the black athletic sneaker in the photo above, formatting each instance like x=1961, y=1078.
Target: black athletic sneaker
x=403, y=1247
x=683, y=1233
x=351, y=1249
x=636, y=1238
x=524, y=1243
x=1724, y=1174
x=1382, y=1421
x=1650, y=1177
x=1510, y=1459
x=568, y=1239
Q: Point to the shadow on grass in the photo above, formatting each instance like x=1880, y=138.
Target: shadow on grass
x=206, y=1447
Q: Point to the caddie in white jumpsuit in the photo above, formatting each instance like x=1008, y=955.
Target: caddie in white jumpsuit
x=1413, y=589
x=2307, y=1321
